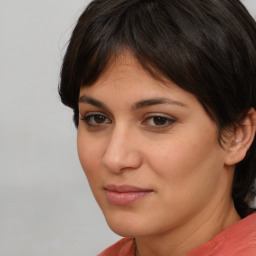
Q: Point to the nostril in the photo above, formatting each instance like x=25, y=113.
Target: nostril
x=122, y=160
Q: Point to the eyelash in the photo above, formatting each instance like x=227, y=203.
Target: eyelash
x=166, y=120
x=89, y=120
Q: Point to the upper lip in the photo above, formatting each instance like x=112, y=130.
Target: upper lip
x=125, y=188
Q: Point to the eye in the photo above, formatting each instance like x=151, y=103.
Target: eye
x=95, y=119
x=158, y=121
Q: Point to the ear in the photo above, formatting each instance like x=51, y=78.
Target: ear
x=241, y=139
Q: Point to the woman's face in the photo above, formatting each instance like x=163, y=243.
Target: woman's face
x=150, y=152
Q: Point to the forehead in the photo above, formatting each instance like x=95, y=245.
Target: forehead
x=120, y=66
x=125, y=68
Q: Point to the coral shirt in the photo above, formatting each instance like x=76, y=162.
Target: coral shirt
x=237, y=240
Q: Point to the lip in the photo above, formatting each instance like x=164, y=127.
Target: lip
x=125, y=194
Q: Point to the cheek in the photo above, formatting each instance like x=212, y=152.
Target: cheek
x=186, y=178
x=188, y=162
x=89, y=156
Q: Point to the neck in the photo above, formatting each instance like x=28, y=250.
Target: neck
x=197, y=231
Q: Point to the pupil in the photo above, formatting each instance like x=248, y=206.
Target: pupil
x=99, y=119
x=159, y=120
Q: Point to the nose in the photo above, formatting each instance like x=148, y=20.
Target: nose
x=122, y=152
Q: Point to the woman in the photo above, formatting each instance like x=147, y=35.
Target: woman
x=164, y=98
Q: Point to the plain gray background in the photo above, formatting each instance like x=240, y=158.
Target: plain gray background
x=46, y=207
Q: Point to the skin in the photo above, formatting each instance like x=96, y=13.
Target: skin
x=177, y=157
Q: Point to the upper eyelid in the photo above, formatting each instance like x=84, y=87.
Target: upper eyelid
x=169, y=119
x=167, y=116
x=85, y=112
x=92, y=113
x=86, y=116
x=153, y=114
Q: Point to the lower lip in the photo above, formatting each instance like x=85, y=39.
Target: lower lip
x=124, y=198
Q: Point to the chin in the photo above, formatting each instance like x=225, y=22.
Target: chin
x=128, y=226
x=125, y=225
x=123, y=228
x=124, y=232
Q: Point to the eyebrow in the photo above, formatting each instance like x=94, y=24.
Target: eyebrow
x=137, y=105
x=92, y=101
x=157, y=101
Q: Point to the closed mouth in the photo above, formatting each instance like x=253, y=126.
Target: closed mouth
x=125, y=194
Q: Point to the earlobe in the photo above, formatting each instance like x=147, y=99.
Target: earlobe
x=242, y=139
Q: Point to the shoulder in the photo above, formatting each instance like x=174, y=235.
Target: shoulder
x=124, y=247
x=238, y=239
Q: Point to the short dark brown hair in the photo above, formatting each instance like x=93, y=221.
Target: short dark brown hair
x=207, y=47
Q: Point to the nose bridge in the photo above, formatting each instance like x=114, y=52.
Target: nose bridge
x=122, y=151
